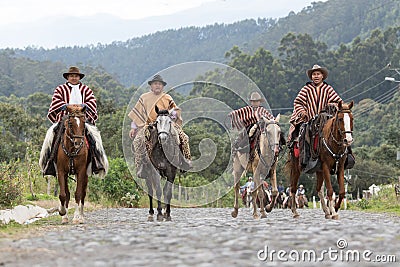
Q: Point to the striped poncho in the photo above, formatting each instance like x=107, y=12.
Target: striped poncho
x=310, y=101
x=61, y=97
x=247, y=116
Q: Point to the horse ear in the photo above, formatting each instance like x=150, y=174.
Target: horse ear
x=278, y=117
x=157, y=110
x=351, y=104
x=340, y=105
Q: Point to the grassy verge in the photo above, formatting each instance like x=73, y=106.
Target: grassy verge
x=384, y=202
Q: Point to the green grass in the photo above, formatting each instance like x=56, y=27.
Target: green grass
x=385, y=202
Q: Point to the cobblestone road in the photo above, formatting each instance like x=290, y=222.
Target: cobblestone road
x=211, y=237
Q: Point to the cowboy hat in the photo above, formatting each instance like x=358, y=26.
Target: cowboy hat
x=256, y=97
x=73, y=70
x=301, y=185
x=315, y=68
x=157, y=78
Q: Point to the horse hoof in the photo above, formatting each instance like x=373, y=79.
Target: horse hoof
x=335, y=217
x=263, y=216
x=256, y=216
x=328, y=216
x=62, y=210
x=78, y=221
x=64, y=220
x=296, y=215
x=150, y=218
x=160, y=217
x=235, y=213
x=168, y=218
x=268, y=208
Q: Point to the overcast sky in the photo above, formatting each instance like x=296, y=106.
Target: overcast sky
x=23, y=22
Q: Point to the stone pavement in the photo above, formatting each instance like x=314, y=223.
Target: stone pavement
x=211, y=237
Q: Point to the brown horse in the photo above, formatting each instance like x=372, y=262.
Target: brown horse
x=72, y=158
x=335, y=138
x=263, y=164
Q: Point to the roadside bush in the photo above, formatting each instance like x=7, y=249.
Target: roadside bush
x=117, y=187
x=10, y=185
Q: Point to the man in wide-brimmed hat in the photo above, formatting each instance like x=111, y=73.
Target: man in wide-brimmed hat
x=312, y=99
x=244, y=118
x=73, y=91
x=143, y=113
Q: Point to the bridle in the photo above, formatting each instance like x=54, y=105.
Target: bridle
x=341, y=143
x=263, y=126
x=72, y=137
x=342, y=134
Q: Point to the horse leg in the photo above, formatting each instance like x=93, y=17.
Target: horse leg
x=63, y=195
x=237, y=173
x=167, y=198
x=150, y=194
x=340, y=177
x=258, y=193
x=329, y=191
x=80, y=194
x=157, y=184
x=294, y=179
x=320, y=191
x=272, y=172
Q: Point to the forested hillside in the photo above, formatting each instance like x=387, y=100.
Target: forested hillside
x=333, y=22
x=357, y=67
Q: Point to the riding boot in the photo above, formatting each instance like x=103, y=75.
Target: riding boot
x=350, y=159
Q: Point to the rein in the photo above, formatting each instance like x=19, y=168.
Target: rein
x=76, y=148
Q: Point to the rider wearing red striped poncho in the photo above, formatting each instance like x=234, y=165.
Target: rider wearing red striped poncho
x=73, y=92
x=246, y=117
x=313, y=98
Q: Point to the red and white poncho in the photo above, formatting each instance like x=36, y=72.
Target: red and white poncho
x=310, y=101
x=247, y=116
x=61, y=97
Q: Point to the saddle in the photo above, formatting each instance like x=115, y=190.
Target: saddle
x=246, y=142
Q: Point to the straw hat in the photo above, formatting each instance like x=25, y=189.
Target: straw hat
x=256, y=97
x=315, y=68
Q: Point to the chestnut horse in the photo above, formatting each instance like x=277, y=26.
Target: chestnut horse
x=264, y=163
x=72, y=158
x=335, y=138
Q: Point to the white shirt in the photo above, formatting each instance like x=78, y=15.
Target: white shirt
x=76, y=96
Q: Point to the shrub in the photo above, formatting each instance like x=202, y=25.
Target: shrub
x=10, y=185
x=116, y=185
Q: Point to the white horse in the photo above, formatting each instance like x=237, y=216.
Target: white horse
x=263, y=164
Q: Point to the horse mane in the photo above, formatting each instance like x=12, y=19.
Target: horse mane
x=162, y=112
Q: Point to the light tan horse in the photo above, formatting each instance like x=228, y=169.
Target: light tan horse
x=263, y=164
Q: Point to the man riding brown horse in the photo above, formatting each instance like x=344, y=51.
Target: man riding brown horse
x=73, y=92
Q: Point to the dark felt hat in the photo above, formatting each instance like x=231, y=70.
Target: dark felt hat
x=73, y=70
x=157, y=78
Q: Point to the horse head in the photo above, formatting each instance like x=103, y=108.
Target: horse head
x=343, y=123
x=271, y=129
x=75, y=125
x=163, y=124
